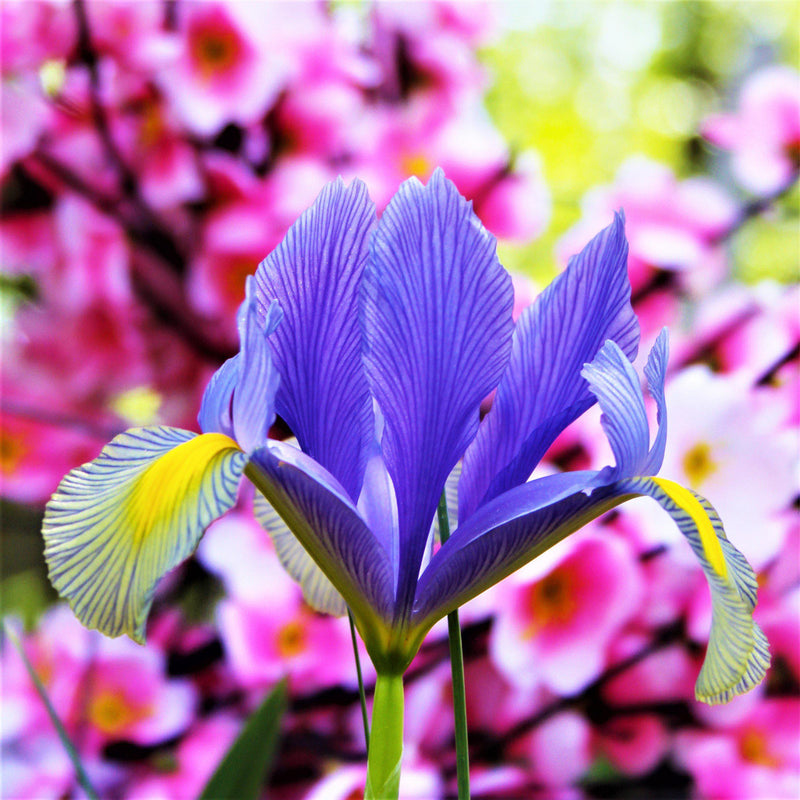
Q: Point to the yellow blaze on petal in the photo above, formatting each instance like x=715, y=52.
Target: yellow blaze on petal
x=172, y=478
x=291, y=640
x=691, y=505
x=116, y=525
x=698, y=464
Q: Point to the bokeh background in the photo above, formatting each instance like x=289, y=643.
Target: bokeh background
x=154, y=152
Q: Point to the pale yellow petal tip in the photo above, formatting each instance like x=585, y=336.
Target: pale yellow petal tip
x=754, y=669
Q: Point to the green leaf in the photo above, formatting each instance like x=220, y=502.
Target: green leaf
x=243, y=771
x=83, y=778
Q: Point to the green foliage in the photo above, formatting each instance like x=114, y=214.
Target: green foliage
x=243, y=771
x=80, y=772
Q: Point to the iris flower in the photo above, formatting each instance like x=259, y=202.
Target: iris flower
x=376, y=342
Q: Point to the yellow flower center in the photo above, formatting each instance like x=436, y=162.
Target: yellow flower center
x=698, y=464
x=234, y=277
x=552, y=601
x=214, y=51
x=753, y=748
x=291, y=639
x=12, y=449
x=415, y=164
x=111, y=712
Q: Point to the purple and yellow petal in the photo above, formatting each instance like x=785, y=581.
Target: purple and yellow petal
x=437, y=323
x=738, y=652
x=542, y=390
x=116, y=525
x=512, y=529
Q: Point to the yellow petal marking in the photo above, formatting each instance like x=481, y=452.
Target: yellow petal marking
x=689, y=503
x=169, y=478
x=116, y=525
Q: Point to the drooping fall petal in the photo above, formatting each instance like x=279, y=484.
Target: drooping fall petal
x=116, y=525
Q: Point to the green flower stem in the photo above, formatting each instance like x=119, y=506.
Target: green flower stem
x=457, y=669
x=361, y=694
x=386, y=739
x=80, y=772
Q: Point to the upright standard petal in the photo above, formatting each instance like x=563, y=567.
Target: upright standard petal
x=614, y=382
x=253, y=404
x=215, y=408
x=317, y=510
x=314, y=273
x=437, y=324
x=117, y=524
x=512, y=529
x=239, y=400
x=542, y=390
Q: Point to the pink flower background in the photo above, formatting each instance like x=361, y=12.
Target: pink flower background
x=152, y=154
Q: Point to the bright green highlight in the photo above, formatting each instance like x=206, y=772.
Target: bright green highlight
x=457, y=670
x=386, y=739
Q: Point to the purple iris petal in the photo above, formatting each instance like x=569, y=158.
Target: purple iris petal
x=502, y=536
x=239, y=398
x=655, y=371
x=615, y=384
x=378, y=507
x=510, y=530
x=316, y=508
x=542, y=390
x=253, y=403
x=613, y=380
x=215, y=408
x=315, y=273
x=437, y=324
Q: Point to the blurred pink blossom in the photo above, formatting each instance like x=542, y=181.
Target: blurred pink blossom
x=517, y=206
x=763, y=133
x=672, y=225
x=665, y=675
x=633, y=743
x=559, y=750
x=559, y=614
x=193, y=762
x=223, y=73
x=264, y=643
x=756, y=758
x=418, y=781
